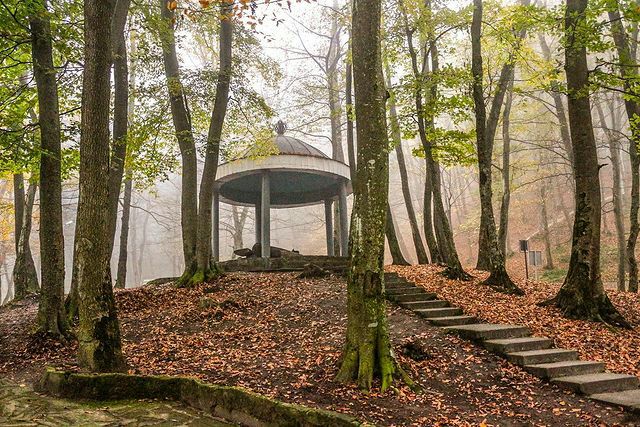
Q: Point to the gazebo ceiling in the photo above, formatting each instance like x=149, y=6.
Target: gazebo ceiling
x=299, y=174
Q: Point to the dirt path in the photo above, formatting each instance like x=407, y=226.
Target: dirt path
x=21, y=406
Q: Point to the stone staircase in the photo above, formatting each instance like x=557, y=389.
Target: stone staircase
x=536, y=355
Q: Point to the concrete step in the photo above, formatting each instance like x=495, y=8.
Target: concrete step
x=412, y=297
x=534, y=357
x=511, y=345
x=629, y=399
x=565, y=369
x=439, y=312
x=453, y=320
x=407, y=291
x=490, y=331
x=417, y=305
x=605, y=382
x=399, y=285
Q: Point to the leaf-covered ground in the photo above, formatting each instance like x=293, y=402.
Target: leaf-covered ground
x=618, y=348
x=282, y=336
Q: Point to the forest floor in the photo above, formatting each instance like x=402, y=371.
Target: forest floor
x=282, y=336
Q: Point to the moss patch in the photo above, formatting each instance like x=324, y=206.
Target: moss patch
x=231, y=403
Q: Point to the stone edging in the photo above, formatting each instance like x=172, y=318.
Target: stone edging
x=231, y=403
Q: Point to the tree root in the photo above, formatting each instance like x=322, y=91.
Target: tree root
x=454, y=273
x=500, y=281
x=602, y=310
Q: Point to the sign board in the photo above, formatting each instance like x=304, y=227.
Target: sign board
x=535, y=258
x=524, y=245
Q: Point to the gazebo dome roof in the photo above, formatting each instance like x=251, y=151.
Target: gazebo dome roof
x=300, y=174
x=285, y=145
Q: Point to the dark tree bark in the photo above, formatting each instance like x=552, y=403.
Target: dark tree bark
x=421, y=252
x=628, y=72
x=582, y=295
x=51, y=314
x=368, y=350
x=614, y=153
x=206, y=268
x=99, y=347
x=120, y=112
x=25, y=278
x=121, y=278
x=485, y=133
x=184, y=135
x=506, y=171
x=397, y=258
x=18, y=207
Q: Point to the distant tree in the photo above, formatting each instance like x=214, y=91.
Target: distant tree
x=485, y=133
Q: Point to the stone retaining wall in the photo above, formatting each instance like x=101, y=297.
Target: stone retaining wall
x=231, y=403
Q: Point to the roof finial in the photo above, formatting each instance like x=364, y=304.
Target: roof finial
x=280, y=127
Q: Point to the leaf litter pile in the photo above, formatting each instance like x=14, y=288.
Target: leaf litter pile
x=282, y=336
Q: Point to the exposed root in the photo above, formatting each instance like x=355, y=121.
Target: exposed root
x=454, y=273
x=500, y=281
x=573, y=306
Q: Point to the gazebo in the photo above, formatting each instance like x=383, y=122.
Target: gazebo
x=296, y=175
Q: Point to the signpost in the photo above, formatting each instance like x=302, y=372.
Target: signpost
x=524, y=248
x=535, y=259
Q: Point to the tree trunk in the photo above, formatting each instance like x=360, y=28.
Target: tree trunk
x=506, y=171
x=18, y=207
x=582, y=295
x=349, y=113
x=485, y=133
x=444, y=234
x=239, y=220
x=99, y=347
x=120, y=112
x=419, y=77
x=25, y=278
x=397, y=258
x=421, y=252
x=121, y=278
x=545, y=226
x=628, y=65
x=123, y=251
x=614, y=152
x=184, y=134
x=368, y=350
x=51, y=313
x=206, y=268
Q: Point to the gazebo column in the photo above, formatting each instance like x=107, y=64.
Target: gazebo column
x=265, y=216
x=344, y=219
x=215, y=244
x=258, y=218
x=328, y=223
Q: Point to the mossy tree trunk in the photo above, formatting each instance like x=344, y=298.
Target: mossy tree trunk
x=51, y=314
x=99, y=347
x=206, y=268
x=25, y=277
x=582, y=294
x=184, y=134
x=485, y=133
x=367, y=351
x=503, y=231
